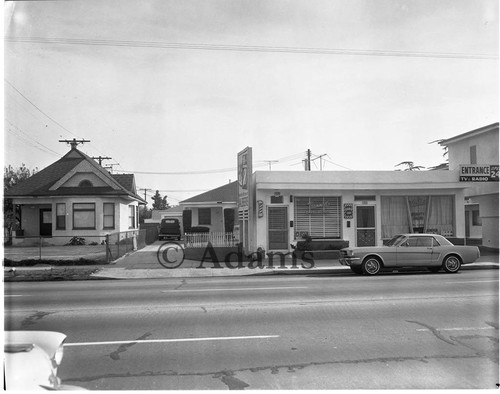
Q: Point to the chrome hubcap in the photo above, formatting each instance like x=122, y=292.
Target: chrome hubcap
x=452, y=263
x=372, y=266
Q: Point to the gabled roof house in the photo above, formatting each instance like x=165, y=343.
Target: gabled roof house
x=215, y=209
x=75, y=196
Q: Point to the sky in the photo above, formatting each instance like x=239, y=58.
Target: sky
x=172, y=90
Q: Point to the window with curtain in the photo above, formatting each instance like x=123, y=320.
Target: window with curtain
x=61, y=216
x=108, y=215
x=131, y=216
x=440, y=215
x=394, y=216
x=406, y=214
x=84, y=216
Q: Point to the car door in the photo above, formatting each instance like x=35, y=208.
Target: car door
x=416, y=251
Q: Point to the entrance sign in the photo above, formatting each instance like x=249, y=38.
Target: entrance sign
x=478, y=173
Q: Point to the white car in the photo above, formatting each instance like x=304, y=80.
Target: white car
x=31, y=359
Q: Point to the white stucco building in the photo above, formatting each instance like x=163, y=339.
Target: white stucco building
x=476, y=153
x=361, y=207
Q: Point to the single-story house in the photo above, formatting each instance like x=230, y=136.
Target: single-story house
x=74, y=196
x=215, y=209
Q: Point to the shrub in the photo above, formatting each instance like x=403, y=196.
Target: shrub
x=76, y=241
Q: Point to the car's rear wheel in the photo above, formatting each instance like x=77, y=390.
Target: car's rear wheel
x=434, y=269
x=371, y=266
x=451, y=264
x=356, y=270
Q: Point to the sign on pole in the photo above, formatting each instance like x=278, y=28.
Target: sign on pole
x=244, y=174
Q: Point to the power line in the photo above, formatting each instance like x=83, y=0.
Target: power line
x=26, y=135
x=28, y=142
x=34, y=105
x=215, y=171
x=249, y=48
x=42, y=112
x=338, y=165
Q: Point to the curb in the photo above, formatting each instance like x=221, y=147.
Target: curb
x=49, y=273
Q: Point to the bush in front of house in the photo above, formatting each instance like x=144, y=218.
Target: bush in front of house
x=76, y=241
x=199, y=229
x=55, y=263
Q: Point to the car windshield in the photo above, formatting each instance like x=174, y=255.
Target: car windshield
x=395, y=240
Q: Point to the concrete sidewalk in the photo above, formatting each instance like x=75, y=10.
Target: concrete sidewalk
x=145, y=264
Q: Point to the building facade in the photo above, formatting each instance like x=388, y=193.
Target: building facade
x=74, y=196
x=364, y=208
x=215, y=209
x=474, y=155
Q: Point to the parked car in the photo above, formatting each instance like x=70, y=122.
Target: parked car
x=31, y=359
x=170, y=228
x=431, y=251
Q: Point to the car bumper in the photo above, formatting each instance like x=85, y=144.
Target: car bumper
x=348, y=261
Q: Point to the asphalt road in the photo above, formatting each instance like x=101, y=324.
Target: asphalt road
x=393, y=331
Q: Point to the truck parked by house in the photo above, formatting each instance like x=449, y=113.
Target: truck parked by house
x=170, y=228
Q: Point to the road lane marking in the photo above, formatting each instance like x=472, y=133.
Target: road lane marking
x=15, y=295
x=474, y=281
x=237, y=289
x=458, y=329
x=170, y=340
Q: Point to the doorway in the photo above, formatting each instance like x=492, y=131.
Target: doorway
x=46, y=222
x=277, y=225
x=365, y=225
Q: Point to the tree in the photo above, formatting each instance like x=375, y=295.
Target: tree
x=160, y=202
x=445, y=165
x=410, y=165
x=11, y=214
x=144, y=213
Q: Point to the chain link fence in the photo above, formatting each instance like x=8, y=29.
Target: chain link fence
x=77, y=249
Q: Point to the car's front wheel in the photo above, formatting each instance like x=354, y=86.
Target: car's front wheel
x=371, y=266
x=451, y=264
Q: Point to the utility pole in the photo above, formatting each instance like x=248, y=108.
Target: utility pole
x=110, y=167
x=271, y=161
x=74, y=142
x=320, y=161
x=101, y=158
x=145, y=190
x=307, y=162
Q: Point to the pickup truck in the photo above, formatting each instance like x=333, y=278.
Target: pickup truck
x=170, y=228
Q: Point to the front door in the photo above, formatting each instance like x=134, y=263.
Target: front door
x=365, y=225
x=277, y=225
x=46, y=222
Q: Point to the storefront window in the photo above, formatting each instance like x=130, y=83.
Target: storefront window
x=319, y=217
x=418, y=207
x=394, y=216
x=417, y=214
x=441, y=218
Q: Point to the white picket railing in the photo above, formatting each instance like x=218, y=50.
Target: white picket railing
x=200, y=240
